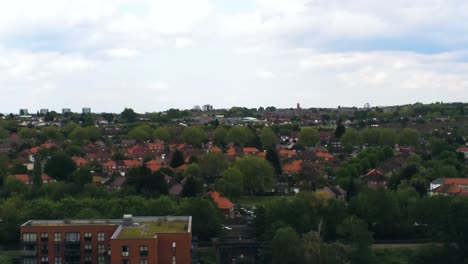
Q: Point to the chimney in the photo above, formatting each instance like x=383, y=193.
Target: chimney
x=127, y=220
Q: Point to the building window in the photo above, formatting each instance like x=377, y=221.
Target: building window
x=101, y=249
x=58, y=260
x=57, y=249
x=45, y=260
x=173, y=247
x=44, y=237
x=143, y=251
x=45, y=249
x=125, y=251
x=57, y=237
x=143, y=261
x=87, y=248
x=88, y=260
x=174, y=261
x=100, y=236
x=29, y=237
x=125, y=261
x=72, y=237
x=29, y=260
x=87, y=236
x=101, y=260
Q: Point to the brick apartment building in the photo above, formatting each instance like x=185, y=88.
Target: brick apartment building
x=131, y=240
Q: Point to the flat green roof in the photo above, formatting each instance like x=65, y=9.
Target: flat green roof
x=150, y=229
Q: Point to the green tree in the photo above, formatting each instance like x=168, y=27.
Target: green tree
x=309, y=137
x=193, y=187
x=192, y=170
x=409, y=137
x=273, y=157
x=351, y=138
x=257, y=172
x=177, y=159
x=60, y=166
x=231, y=184
x=239, y=135
x=220, y=135
x=128, y=115
x=371, y=136
x=37, y=172
x=163, y=133
x=194, y=135
x=52, y=133
x=267, y=137
x=388, y=137
x=340, y=130
x=286, y=247
x=81, y=177
x=140, y=133
x=354, y=232
x=212, y=164
x=206, y=222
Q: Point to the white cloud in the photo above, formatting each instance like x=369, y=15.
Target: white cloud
x=181, y=43
x=264, y=74
x=122, y=53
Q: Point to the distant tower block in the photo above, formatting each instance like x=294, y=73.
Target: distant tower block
x=298, y=106
x=86, y=110
x=367, y=105
x=66, y=110
x=23, y=111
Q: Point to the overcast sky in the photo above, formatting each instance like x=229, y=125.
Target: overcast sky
x=152, y=55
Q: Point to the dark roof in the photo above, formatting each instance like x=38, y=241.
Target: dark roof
x=119, y=181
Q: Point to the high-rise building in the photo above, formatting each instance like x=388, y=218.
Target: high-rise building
x=207, y=107
x=86, y=110
x=23, y=111
x=148, y=240
x=66, y=110
x=44, y=111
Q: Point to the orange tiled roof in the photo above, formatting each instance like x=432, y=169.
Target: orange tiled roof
x=459, y=181
x=231, y=152
x=216, y=149
x=262, y=154
x=222, y=202
x=79, y=160
x=294, y=166
x=181, y=167
x=46, y=177
x=324, y=155
x=462, y=149
x=22, y=177
x=287, y=152
x=374, y=171
x=131, y=162
x=155, y=145
x=448, y=189
x=250, y=150
x=110, y=163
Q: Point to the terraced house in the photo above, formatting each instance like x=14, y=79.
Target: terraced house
x=135, y=240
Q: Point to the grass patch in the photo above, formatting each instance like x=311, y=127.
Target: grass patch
x=207, y=256
x=149, y=229
x=7, y=256
x=393, y=255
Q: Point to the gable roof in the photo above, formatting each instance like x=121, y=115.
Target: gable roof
x=222, y=202
x=462, y=149
x=294, y=166
x=23, y=177
x=324, y=155
x=249, y=150
x=287, y=152
x=449, y=189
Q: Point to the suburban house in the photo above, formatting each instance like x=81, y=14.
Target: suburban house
x=449, y=186
x=335, y=192
x=118, y=183
x=250, y=151
x=156, y=147
x=463, y=150
x=121, y=166
x=287, y=153
x=80, y=161
x=374, y=179
x=292, y=168
x=224, y=204
x=324, y=155
x=28, y=179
